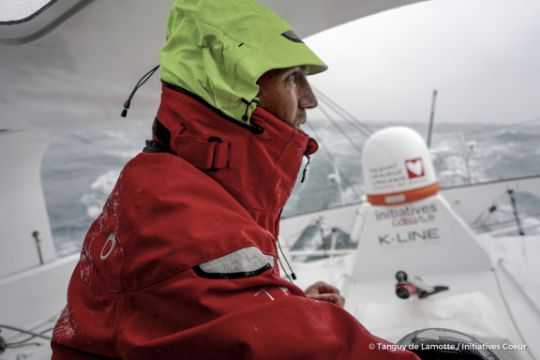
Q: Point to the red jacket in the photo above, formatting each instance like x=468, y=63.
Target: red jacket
x=138, y=291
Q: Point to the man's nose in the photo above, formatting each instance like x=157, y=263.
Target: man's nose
x=307, y=99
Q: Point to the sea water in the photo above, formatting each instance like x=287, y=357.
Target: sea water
x=76, y=182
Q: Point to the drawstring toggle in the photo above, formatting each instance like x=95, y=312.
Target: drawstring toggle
x=305, y=169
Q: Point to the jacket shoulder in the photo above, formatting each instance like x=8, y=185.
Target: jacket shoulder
x=166, y=216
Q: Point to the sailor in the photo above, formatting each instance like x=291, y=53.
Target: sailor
x=182, y=262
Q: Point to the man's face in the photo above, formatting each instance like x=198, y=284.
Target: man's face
x=286, y=94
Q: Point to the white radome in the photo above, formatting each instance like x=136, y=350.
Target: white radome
x=396, y=159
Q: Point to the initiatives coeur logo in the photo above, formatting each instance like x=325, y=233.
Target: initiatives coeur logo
x=415, y=168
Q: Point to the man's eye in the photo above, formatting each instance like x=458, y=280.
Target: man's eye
x=292, y=77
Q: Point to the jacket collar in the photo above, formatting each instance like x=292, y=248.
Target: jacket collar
x=258, y=168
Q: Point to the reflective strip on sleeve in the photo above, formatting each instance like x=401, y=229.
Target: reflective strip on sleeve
x=245, y=262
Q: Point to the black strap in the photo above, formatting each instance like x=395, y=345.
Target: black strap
x=210, y=156
x=161, y=133
x=156, y=147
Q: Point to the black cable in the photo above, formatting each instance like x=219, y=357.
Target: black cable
x=17, y=343
x=23, y=345
x=287, y=261
x=365, y=132
x=284, y=270
x=140, y=83
x=509, y=221
x=340, y=110
x=362, y=127
x=505, y=300
x=13, y=328
x=332, y=158
x=343, y=132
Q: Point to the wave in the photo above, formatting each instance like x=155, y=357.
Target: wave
x=100, y=190
x=76, y=184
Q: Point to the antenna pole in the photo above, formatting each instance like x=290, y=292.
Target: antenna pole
x=432, y=117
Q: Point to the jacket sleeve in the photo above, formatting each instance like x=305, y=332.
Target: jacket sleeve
x=256, y=317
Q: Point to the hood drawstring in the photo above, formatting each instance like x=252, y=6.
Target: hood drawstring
x=252, y=126
x=293, y=275
x=245, y=117
x=255, y=100
x=305, y=169
x=140, y=83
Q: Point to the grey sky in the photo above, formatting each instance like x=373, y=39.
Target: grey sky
x=483, y=56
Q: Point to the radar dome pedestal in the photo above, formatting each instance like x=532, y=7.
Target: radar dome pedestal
x=406, y=224
x=397, y=167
